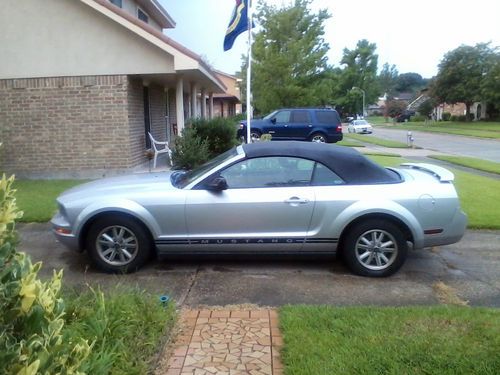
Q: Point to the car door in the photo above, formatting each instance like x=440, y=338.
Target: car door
x=299, y=126
x=278, y=124
x=268, y=205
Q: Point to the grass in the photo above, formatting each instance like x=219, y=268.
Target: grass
x=411, y=340
x=472, y=129
x=37, y=198
x=479, y=164
x=478, y=194
x=376, y=141
x=126, y=326
x=349, y=143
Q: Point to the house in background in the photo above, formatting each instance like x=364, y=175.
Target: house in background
x=229, y=103
x=82, y=82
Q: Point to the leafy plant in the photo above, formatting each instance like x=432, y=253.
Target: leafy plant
x=446, y=116
x=190, y=150
x=31, y=323
x=219, y=132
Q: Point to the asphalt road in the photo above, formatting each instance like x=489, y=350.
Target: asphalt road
x=451, y=144
x=471, y=267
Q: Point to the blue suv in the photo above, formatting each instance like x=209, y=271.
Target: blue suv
x=300, y=124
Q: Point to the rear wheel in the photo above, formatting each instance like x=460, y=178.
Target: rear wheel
x=375, y=248
x=318, y=138
x=255, y=135
x=118, y=244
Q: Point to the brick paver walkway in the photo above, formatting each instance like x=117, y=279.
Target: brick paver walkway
x=226, y=342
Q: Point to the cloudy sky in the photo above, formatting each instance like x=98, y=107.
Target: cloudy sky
x=413, y=35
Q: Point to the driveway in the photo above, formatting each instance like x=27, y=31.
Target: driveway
x=471, y=267
x=487, y=149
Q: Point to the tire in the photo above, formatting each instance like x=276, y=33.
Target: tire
x=375, y=248
x=118, y=244
x=255, y=135
x=318, y=137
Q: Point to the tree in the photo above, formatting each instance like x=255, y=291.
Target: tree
x=360, y=71
x=289, y=66
x=409, y=82
x=490, y=88
x=387, y=79
x=394, y=108
x=462, y=73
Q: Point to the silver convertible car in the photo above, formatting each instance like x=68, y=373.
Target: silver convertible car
x=266, y=197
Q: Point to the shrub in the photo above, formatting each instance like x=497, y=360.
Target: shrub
x=219, y=132
x=454, y=118
x=190, y=150
x=446, y=116
x=419, y=118
x=462, y=118
x=31, y=318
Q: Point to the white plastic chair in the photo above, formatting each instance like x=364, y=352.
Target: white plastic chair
x=160, y=148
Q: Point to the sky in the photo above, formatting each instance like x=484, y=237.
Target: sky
x=413, y=35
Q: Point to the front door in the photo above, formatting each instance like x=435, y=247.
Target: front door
x=267, y=206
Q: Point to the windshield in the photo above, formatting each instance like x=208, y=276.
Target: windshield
x=181, y=179
x=270, y=115
x=360, y=122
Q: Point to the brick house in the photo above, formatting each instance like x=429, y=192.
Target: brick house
x=229, y=103
x=83, y=81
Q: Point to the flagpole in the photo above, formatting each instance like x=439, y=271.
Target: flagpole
x=249, y=70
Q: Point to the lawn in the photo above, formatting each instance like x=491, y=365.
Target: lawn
x=473, y=129
x=37, y=198
x=374, y=140
x=480, y=164
x=411, y=340
x=478, y=194
x=126, y=326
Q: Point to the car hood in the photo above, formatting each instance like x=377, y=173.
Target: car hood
x=123, y=185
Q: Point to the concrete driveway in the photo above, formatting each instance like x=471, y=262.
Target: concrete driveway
x=471, y=268
x=487, y=149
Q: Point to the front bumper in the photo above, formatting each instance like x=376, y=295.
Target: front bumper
x=63, y=233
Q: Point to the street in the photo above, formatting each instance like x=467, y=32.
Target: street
x=488, y=149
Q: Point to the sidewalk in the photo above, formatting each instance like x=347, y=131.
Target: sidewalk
x=224, y=342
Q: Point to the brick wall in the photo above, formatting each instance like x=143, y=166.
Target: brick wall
x=135, y=113
x=66, y=124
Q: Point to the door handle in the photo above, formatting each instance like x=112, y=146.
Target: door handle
x=286, y=126
x=271, y=132
x=296, y=200
x=310, y=126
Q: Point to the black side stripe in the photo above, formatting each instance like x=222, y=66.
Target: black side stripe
x=233, y=241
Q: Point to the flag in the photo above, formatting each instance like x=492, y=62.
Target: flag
x=238, y=23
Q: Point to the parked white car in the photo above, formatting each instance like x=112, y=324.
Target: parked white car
x=360, y=126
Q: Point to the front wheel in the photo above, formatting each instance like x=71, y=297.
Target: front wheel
x=118, y=244
x=375, y=248
x=318, y=138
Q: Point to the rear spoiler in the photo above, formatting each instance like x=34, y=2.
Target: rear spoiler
x=442, y=174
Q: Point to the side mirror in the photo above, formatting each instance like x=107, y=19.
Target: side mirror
x=217, y=184
x=273, y=120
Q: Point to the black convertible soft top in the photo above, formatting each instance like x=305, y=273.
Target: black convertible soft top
x=348, y=163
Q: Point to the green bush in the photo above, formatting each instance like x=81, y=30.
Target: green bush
x=461, y=118
x=446, y=116
x=190, y=150
x=219, y=132
x=418, y=118
x=31, y=311
x=454, y=118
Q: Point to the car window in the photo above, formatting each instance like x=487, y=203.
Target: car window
x=300, y=117
x=324, y=176
x=282, y=116
x=327, y=117
x=360, y=122
x=275, y=171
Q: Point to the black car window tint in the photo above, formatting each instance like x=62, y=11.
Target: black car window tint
x=324, y=176
x=282, y=116
x=276, y=171
x=326, y=117
x=300, y=116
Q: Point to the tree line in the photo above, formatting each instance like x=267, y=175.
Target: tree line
x=290, y=68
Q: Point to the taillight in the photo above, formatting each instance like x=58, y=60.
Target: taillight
x=339, y=128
